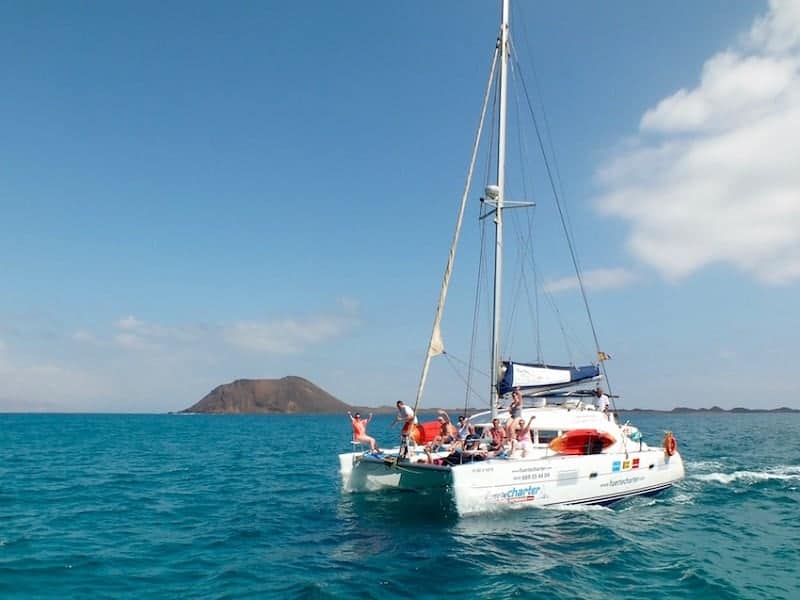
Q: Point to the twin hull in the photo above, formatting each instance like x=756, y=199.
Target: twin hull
x=497, y=483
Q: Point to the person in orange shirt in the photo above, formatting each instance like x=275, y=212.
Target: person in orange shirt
x=497, y=435
x=360, y=430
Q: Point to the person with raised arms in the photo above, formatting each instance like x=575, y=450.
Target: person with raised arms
x=360, y=430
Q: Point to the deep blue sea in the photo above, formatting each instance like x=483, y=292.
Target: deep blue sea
x=196, y=506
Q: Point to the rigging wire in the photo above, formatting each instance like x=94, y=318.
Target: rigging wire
x=567, y=231
x=546, y=121
x=480, y=284
x=476, y=315
x=471, y=391
x=525, y=249
x=510, y=330
x=435, y=343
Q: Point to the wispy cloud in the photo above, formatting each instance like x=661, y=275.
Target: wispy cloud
x=45, y=385
x=135, y=334
x=597, y=279
x=714, y=175
x=84, y=337
x=287, y=336
x=104, y=368
x=129, y=322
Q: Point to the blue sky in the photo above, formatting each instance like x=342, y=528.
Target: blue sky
x=193, y=193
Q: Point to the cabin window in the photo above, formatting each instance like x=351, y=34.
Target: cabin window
x=545, y=436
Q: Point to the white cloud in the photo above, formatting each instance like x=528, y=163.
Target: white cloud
x=287, y=336
x=714, y=176
x=129, y=322
x=47, y=386
x=279, y=336
x=779, y=30
x=597, y=279
x=84, y=337
x=132, y=341
x=136, y=334
x=138, y=364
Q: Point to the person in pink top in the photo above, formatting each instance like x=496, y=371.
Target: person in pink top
x=360, y=430
x=522, y=437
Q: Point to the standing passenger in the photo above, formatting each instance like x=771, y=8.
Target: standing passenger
x=405, y=414
x=514, y=412
x=601, y=400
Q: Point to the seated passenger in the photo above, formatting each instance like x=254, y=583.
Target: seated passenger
x=467, y=439
x=360, y=431
x=447, y=433
x=496, y=435
x=429, y=459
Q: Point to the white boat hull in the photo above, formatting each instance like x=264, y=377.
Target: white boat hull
x=364, y=473
x=562, y=480
x=496, y=484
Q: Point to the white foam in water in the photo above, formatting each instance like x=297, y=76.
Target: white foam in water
x=641, y=503
x=683, y=499
x=578, y=507
x=704, y=465
x=782, y=473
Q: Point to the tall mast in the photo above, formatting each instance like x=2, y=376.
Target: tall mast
x=498, y=217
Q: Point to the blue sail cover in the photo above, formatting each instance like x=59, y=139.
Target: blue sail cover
x=541, y=377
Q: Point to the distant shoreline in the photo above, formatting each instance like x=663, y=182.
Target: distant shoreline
x=714, y=410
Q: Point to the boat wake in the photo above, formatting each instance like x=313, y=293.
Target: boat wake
x=578, y=508
x=704, y=465
x=779, y=473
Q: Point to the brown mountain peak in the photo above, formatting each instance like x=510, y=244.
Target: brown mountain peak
x=289, y=394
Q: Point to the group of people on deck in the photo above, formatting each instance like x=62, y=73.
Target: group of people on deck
x=453, y=437
x=405, y=415
x=513, y=435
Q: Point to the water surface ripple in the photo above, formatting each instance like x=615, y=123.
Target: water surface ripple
x=130, y=506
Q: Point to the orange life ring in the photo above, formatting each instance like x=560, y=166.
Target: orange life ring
x=670, y=445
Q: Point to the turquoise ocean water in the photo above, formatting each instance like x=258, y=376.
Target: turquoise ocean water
x=151, y=506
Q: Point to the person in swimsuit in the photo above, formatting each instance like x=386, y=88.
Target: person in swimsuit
x=447, y=433
x=360, y=430
x=522, y=437
x=514, y=412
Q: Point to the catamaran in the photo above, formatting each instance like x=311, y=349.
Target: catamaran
x=576, y=451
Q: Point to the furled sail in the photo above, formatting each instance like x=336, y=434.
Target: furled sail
x=541, y=377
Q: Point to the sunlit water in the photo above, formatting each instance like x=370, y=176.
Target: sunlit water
x=140, y=506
